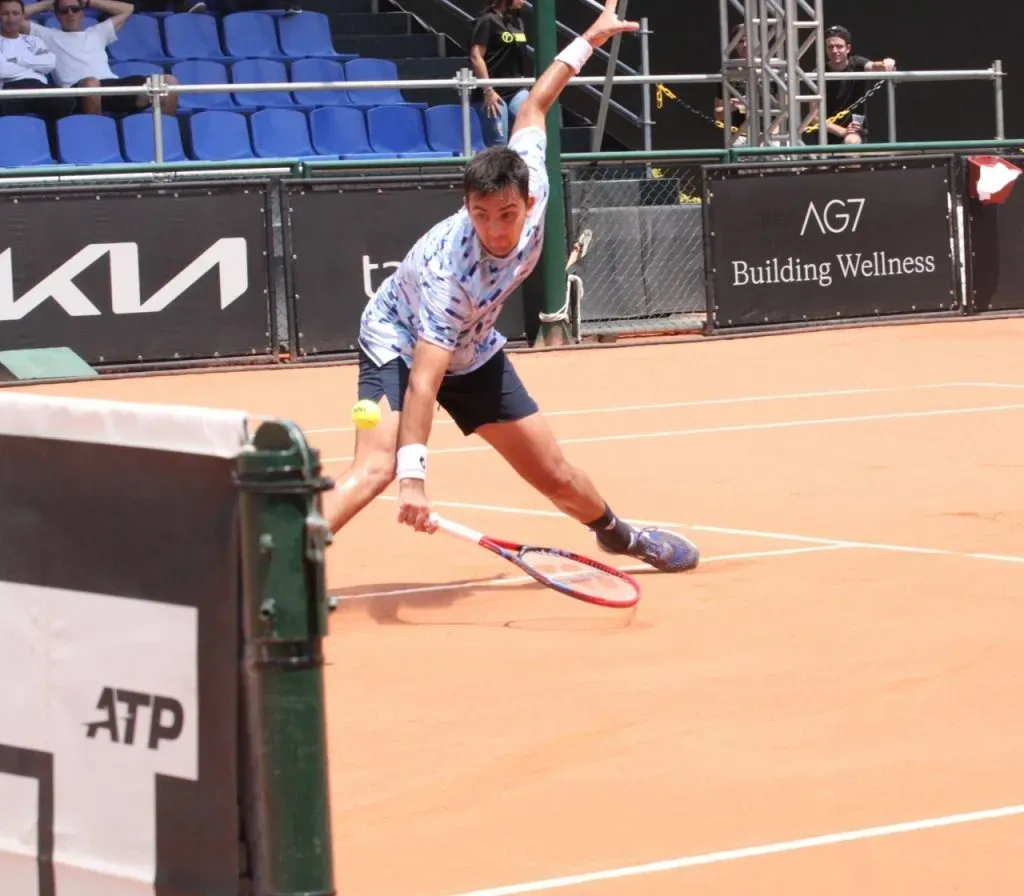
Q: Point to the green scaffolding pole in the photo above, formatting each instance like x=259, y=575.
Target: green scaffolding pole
x=552, y=262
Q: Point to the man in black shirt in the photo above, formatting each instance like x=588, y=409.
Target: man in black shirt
x=846, y=125
x=497, y=49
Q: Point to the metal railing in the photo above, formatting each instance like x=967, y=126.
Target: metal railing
x=465, y=82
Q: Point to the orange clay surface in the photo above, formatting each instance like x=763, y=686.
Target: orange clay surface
x=847, y=658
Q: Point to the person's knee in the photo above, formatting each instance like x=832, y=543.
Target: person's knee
x=169, y=103
x=853, y=139
x=91, y=105
x=378, y=470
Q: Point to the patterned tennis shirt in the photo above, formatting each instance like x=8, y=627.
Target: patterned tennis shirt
x=448, y=290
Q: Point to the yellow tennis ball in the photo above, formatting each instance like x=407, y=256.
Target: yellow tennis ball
x=366, y=414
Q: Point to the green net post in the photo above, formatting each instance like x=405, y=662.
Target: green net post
x=554, y=328
x=284, y=621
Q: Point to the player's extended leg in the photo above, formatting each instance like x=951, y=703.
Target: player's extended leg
x=373, y=465
x=372, y=470
x=532, y=450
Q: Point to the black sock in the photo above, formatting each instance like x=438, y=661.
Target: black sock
x=612, y=531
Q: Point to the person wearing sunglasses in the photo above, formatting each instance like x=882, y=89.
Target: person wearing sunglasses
x=81, y=54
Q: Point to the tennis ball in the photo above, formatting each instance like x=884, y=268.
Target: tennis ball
x=366, y=414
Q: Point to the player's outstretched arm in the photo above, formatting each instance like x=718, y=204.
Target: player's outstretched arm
x=567, y=64
x=429, y=365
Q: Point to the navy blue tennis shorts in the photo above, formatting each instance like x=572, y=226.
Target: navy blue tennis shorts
x=492, y=393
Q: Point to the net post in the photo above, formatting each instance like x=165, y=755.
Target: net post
x=284, y=620
x=553, y=322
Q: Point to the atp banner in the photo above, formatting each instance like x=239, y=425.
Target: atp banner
x=119, y=649
x=345, y=238
x=141, y=274
x=822, y=243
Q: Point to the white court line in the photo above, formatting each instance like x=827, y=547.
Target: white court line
x=742, y=427
x=732, y=855
x=752, y=533
x=503, y=581
x=990, y=385
x=711, y=402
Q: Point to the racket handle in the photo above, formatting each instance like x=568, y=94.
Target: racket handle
x=456, y=529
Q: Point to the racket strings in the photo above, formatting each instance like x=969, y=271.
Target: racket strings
x=580, y=577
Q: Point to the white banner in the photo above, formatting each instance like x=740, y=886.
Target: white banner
x=107, y=686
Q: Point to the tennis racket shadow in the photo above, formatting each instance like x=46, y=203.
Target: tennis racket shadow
x=484, y=602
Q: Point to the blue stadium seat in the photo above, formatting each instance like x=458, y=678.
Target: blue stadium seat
x=281, y=134
x=251, y=35
x=218, y=136
x=341, y=131
x=127, y=69
x=400, y=130
x=369, y=69
x=308, y=35
x=138, y=40
x=319, y=70
x=23, y=142
x=202, y=71
x=88, y=140
x=263, y=71
x=188, y=36
x=137, y=136
x=444, y=128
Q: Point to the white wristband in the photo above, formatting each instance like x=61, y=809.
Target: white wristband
x=412, y=462
x=576, y=54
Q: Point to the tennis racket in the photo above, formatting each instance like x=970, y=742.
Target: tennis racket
x=571, y=574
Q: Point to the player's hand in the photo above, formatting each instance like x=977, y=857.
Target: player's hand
x=414, y=505
x=608, y=24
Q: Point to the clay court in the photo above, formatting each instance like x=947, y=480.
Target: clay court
x=829, y=704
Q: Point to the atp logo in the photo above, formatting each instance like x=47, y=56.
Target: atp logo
x=166, y=717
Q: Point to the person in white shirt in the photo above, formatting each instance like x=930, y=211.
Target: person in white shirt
x=428, y=338
x=81, y=54
x=25, y=63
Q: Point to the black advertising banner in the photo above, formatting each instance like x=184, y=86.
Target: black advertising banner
x=119, y=648
x=347, y=238
x=825, y=244
x=996, y=259
x=141, y=274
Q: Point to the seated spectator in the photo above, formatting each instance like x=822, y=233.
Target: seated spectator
x=25, y=63
x=844, y=100
x=81, y=54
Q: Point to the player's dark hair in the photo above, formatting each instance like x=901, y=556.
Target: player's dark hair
x=20, y=3
x=495, y=170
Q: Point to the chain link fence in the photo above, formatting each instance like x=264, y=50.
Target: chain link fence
x=644, y=268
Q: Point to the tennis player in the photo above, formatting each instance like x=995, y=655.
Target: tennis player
x=427, y=337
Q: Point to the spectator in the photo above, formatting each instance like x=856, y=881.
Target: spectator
x=844, y=125
x=81, y=54
x=497, y=49
x=25, y=63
